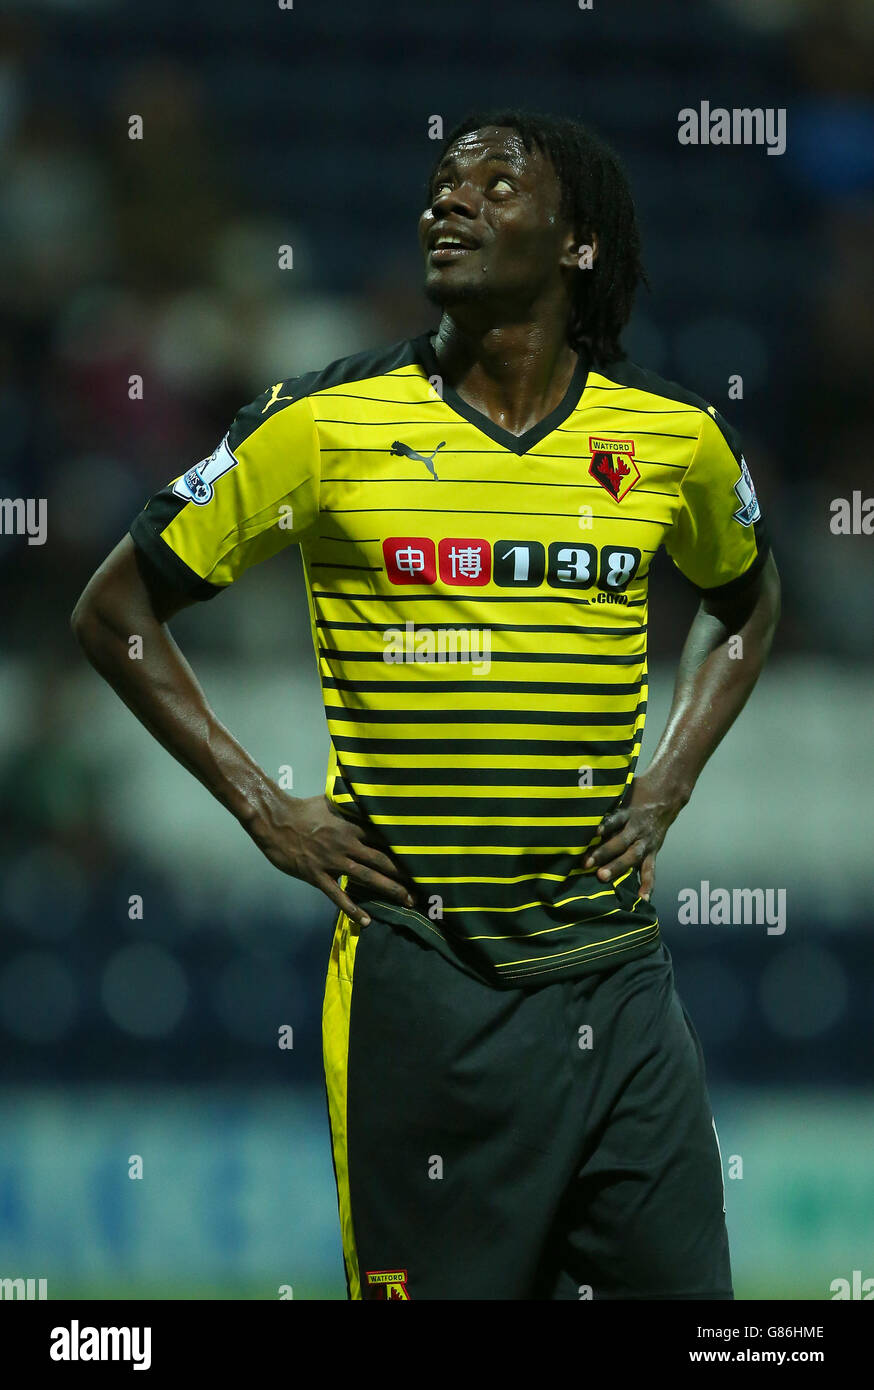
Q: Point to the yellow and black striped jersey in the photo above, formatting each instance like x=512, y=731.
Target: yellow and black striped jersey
x=479, y=613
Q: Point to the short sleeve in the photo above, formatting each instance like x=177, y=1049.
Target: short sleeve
x=257, y=493
x=718, y=539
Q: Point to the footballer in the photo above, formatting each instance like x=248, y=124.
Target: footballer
x=517, y=1097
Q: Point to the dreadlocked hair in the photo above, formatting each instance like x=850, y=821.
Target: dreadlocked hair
x=595, y=198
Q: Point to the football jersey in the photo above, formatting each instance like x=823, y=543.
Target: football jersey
x=478, y=602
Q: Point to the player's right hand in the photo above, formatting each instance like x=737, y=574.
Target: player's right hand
x=308, y=838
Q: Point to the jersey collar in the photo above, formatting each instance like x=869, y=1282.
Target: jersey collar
x=515, y=443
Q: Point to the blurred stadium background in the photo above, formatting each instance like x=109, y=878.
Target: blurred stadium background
x=309, y=126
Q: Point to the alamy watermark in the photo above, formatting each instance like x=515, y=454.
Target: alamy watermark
x=75, y=1343
x=24, y=1288
x=24, y=516
x=735, y=907
x=741, y=125
x=413, y=646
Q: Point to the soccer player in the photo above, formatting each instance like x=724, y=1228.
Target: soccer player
x=517, y=1097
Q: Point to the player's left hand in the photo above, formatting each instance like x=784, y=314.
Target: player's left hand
x=632, y=836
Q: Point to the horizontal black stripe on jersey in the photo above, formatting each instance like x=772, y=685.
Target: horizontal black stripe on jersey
x=393, y=400
x=482, y=865
x=354, y=449
x=548, y=596
x=524, y=658
x=460, y=778
x=574, y=486
x=479, y=895
x=352, y=540
x=569, y=719
x=630, y=374
x=466, y=837
x=438, y=421
x=538, y=929
x=657, y=463
x=414, y=510
x=342, y=565
x=569, y=629
x=576, y=458
x=638, y=491
x=429, y=867
x=544, y=748
x=654, y=434
x=425, y=687
x=566, y=808
x=500, y=453
x=639, y=410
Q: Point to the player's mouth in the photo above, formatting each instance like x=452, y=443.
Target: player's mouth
x=449, y=246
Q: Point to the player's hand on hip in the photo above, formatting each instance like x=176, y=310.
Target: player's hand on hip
x=308, y=838
x=632, y=835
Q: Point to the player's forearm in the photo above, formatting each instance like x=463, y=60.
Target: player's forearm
x=161, y=689
x=722, y=659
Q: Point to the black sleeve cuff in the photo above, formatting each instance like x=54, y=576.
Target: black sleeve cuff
x=168, y=564
x=743, y=581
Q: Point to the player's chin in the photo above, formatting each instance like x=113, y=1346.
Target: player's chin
x=451, y=284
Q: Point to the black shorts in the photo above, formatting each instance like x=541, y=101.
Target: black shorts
x=543, y=1143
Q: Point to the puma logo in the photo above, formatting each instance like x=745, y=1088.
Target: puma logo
x=275, y=396
x=427, y=459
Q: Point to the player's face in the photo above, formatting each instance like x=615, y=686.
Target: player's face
x=500, y=207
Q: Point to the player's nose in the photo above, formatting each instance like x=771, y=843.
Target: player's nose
x=462, y=200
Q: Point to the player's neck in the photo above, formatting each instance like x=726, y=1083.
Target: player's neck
x=515, y=373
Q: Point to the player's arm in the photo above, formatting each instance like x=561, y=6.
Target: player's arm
x=194, y=538
x=305, y=837
x=712, y=686
x=719, y=542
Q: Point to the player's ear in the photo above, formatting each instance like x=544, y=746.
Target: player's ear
x=580, y=254
x=570, y=254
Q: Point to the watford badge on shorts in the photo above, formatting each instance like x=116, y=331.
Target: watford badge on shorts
x=613, y=465
x=393, y=1281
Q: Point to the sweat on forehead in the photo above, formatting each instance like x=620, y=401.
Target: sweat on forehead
x=498, y=142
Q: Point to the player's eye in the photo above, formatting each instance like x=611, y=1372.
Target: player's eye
x=437, y=188
x=502, y=179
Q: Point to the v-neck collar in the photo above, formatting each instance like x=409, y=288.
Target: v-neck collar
x=516, y=443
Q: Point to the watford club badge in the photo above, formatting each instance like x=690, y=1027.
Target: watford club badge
x=388, y=1283
x=613, y=466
